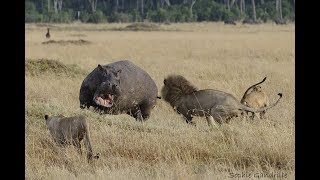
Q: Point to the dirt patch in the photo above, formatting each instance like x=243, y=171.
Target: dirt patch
x=45, y=66
x=63, y=42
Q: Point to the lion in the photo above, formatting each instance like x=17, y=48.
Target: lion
x=257, y=98
x=215, y=105
x=70, y=130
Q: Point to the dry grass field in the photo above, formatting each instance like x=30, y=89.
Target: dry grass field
x=210, y=55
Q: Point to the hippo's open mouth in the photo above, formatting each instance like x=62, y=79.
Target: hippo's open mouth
x=105, y=100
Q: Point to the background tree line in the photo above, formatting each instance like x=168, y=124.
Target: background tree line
x=96, y=11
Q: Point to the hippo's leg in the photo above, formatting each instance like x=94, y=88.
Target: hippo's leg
x=146, y=110
x=129, y=113
x=139, y=115
x=98, y=110
x=136, y=113
x=85, y=98
x=85, y=105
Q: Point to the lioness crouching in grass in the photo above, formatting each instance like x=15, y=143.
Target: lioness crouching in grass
x=216, y=105
x=70, y=130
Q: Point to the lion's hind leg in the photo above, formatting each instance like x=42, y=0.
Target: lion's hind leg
x=247, y=115
x=146, y=109
x=210, y=121
x=77, y=144
x=217, y=115
x=263, y=115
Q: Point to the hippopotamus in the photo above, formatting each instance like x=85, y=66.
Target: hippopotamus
x=119, y=87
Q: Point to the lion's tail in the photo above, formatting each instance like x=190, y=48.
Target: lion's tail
x=249, y=109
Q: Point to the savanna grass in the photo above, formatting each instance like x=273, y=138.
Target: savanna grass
x=210, y=55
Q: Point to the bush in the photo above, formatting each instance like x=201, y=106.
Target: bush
x=65, y=16
x=159, y=15
x=227, y=15
x=136, y=16
x=84, y=16
x=97, y=17
x=287, y=10
x=204, y=10
x=212, y=11
x=47, y=16
x=120, y=17
x=237, y=15
x=62, y=17
x=178, y=14
x=204, y=14
x=29, y=6
x=216, y=14
x=270, y=10
x=220, y=13
x=31, y=14
x=262, y=14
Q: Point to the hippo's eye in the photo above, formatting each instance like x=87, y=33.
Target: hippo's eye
x=109, y=84
x=104, y=74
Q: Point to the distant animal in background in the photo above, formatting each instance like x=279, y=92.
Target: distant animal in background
x=256, y=98
x=230, y=22
x=48, y=34
x=280, y=21
x=70, y=130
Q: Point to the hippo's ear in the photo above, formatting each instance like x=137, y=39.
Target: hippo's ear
x=103, y=68
x=118, y=72
x=46, y=117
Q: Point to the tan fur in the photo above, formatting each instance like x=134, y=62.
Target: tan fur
x=70, y=130
x=257, y=98
x=216, y=105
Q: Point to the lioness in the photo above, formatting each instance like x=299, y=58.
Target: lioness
x=70, y=130
x=216, y=105
x=256, y=98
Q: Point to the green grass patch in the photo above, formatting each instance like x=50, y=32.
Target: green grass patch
x=45, y=66
x=140, y=27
